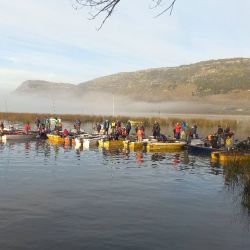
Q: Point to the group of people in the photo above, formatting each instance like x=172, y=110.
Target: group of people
x=44, y=125
x=180, y=131
x=26, y=128
x=114, y=129
x=222, y=137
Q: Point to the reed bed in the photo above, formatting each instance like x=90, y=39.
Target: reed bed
x=147, y=121
x=237, y=178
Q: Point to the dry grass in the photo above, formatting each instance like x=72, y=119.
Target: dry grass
x=30, y=117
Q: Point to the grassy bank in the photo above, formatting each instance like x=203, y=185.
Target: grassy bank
x=148, y=121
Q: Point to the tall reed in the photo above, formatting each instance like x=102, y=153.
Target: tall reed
x=147, y=121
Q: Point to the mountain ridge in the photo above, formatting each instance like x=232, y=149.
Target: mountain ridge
x=201, y=80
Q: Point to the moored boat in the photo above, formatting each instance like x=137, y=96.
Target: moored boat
x=110, y=144
x=91, y=142
x=230, y=157
x=134, y=146
x=200, y=150
x=18, y=136
x=55, y=138
x=165, y=146
x=198, y=146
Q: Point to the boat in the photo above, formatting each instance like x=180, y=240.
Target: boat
x=56, y=138
x=18, y=136
x=199, y=147
x=165, y=146
x=134, y=146
x=110, y=144
x=77, y=142
x=90, y=142
x=230, y=157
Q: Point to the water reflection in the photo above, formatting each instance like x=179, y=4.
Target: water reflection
x=236, y=178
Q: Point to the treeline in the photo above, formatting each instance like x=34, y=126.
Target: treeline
x=147, y=121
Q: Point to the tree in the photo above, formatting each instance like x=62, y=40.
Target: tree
x=106, y=7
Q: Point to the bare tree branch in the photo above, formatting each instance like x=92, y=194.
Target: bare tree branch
x=169, y=8
x=106, y=7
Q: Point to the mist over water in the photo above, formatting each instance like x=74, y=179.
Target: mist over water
x=94, y=103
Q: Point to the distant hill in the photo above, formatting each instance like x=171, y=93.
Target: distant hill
x=225, y=78
x=39, y=87
x=188, y=81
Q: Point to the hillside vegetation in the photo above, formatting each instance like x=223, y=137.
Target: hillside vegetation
x=200, y=79
x=188, y=82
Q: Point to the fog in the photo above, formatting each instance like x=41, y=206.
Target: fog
x=102, y=104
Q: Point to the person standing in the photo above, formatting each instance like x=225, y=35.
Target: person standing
x=98, y=128
x=47, y=124
x=128, y=127
x=140, y=134
x=78, y=126
x=106, y=127
x=229, y=143
x=177, y=131
x=156, y=130
x=26, y=128
x=1, y=127
x=37, y=122
x=113, y=125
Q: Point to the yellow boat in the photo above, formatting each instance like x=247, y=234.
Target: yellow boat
x=165, y=146
x=112, y=144
x=230, y=157
x=134, y=146
x=55, y=138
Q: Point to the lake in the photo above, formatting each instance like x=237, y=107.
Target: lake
x=54, y=197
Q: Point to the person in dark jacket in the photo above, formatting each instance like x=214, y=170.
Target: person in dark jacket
x=156, y=130
x=1, y=127
x=106, y=127
x=128, y=128
x=98, y=128
x=220, y=130
x=37, y=122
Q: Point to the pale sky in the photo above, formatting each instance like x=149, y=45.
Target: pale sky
x=49, y=40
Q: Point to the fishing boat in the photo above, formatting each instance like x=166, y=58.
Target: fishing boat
x=134, y=146
x=110, y=144
x=230, y=157
x=56, y=138
x=18, y=136
x=90, y=142
x=199, y=147
x=165, y=146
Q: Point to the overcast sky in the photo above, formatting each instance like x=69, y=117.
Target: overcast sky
x=49, y=40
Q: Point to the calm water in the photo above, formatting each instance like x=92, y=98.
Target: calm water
x=58, y=198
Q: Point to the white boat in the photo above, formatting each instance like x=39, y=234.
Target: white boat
x=78, y=143
x=18, y=137
x=91, y=142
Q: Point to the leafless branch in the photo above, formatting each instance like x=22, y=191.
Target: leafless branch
x=106, y=7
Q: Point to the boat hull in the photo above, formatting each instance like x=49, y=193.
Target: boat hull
x=228, y=157
x=89, y=143
x=56, y=139
x=113, y=144
x=200, y=150
x=16, y=137
x=165, y=147
x=134, y=146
